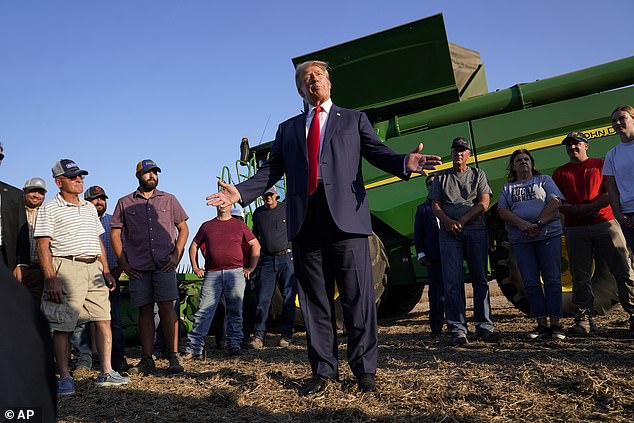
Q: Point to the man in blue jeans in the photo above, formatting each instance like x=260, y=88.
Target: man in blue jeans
x=224, y=274
x=269, y=226
x=460, y=196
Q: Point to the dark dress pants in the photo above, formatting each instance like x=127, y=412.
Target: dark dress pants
x=436, y=296
x=323, y=254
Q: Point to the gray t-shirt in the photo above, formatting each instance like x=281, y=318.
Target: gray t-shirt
x=457, y=192
x=527, y=200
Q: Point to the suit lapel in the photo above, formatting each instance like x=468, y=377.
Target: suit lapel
x=331, y=125
x=300, y=134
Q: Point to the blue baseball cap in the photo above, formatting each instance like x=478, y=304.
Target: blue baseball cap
x=144, y=166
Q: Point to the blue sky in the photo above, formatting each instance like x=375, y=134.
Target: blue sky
x=108, y=83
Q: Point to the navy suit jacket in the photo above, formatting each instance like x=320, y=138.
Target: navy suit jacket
x=426, y=231
x=15, y=230
x=348, y=138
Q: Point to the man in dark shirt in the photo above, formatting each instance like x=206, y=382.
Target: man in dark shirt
x=276, y=266
x=224, y=274
x=426, y=230
x=144, y=238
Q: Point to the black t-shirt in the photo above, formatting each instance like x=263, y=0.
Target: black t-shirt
x=269, y=226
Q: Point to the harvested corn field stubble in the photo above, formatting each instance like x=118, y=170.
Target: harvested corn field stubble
x=419, y=379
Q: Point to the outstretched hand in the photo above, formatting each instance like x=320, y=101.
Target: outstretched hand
x=419, y=163
x=225, y=197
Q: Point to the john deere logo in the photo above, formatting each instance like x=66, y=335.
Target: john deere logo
x=606, y=131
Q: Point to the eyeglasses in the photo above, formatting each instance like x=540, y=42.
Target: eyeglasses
x=72, y=178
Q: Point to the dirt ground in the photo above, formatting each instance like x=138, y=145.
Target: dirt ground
x=419, y=379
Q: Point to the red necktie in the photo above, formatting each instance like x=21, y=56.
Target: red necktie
x=312, y=145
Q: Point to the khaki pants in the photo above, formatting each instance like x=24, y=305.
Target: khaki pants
x=605, y=239
x=85, y=295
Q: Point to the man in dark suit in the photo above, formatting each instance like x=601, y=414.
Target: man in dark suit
x=328, y=220
x=426, y=227
x=14, y=232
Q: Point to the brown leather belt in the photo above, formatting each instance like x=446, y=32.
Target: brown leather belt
x=87, y=260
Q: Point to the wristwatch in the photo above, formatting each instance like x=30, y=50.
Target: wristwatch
x=540, y=224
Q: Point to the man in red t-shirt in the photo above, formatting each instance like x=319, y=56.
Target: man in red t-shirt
x=591, y=227
x=225, y=274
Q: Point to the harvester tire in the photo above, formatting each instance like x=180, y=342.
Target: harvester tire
x=510, y=281
x=400, y=300
x=380, y=265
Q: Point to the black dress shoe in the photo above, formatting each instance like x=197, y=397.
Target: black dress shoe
x=315, y=384
x=366, y=382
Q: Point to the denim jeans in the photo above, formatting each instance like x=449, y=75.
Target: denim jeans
x=471, y=245
x=541, y=257
x=118, y=341
x=274, y=269
x=227, y=283
x=81, y=341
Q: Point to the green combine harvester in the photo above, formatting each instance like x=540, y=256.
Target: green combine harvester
x=425, y=89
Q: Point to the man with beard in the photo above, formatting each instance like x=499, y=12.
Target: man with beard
x=32, y=276
x=97, y=196
x=148, y=253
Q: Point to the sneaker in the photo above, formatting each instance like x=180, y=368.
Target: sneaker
x=66, y=386
x=256, y=343
x=459, y=339
x=112, y=378
x=557, y=332
x=175, y=364
x=285, y=342
x=540, y=332
x=146, y=366
x=488, y=336
x=234, y=350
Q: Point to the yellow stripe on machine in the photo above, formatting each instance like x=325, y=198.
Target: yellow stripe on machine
x=601, y=132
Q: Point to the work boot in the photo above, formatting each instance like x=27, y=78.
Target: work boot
x=285, y=342
x=175, y=364
x=584, y=325
x=256, y=343
x=146, y=366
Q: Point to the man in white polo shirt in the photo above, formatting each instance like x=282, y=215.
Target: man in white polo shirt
x=76, y=273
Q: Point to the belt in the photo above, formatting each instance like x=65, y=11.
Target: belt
x=280, y=253
x=87, y=260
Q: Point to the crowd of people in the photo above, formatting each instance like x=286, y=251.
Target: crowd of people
x=596, y=202
x=69, y=253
